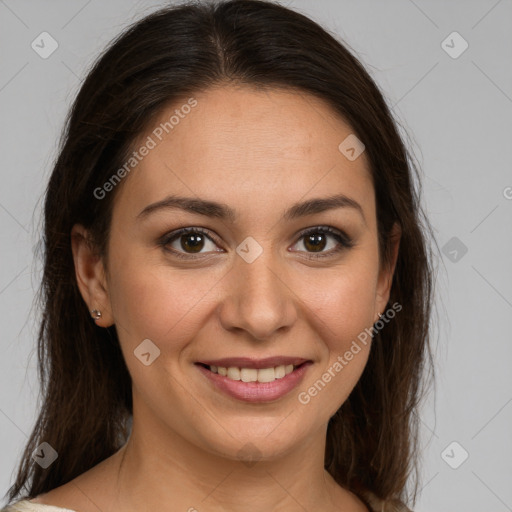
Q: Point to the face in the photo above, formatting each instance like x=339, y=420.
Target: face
x=255, y=277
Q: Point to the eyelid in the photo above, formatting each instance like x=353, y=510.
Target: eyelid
x=328, y=230
x=174, y=235
x=343, y=239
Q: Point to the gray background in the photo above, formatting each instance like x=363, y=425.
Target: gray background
x=458, y=114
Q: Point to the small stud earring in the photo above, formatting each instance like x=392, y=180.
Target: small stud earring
x=96, y=314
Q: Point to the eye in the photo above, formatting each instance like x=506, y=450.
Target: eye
x=314, y=240
x=190, y=240
x=186, y=242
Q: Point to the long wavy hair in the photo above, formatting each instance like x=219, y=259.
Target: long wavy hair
x=175, y=52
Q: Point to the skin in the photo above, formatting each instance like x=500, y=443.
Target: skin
x=260, y=153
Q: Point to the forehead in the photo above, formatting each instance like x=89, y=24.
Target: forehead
x=246, y=147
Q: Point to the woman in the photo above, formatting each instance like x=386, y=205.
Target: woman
x=233, y=206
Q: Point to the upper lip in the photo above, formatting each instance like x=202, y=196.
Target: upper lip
x=247, y=362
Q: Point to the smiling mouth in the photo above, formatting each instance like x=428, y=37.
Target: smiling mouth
x=255, y=380
x=262, y=375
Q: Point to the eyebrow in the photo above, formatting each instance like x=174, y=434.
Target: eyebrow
x=224, y=212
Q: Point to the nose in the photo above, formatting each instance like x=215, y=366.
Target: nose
x=257, y=299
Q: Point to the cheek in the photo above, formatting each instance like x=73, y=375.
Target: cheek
x=343, y=305
x=157, y=302
x=343, y=342
x=343, y=301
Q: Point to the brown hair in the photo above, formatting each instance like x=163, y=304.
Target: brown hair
x=372, y=440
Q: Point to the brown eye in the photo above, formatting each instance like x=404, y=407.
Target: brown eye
x=315, y=241
x=188, y=241
x=192, y=242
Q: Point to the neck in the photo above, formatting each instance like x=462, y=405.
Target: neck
x=157, y=468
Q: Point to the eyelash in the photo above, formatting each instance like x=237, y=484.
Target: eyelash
x=344, y=241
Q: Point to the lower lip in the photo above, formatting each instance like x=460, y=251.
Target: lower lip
x=256, y=391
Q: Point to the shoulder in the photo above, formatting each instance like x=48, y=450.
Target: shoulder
x=29, y=506
x=378, y=505
x=87, y=492
x=61, y=499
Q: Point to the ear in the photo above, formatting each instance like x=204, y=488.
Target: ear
x=386, y=272
x=90, y=275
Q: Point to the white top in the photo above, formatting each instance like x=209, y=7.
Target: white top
x=28, y=506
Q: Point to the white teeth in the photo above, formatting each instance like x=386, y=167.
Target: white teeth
x=233, y=373
x=280, y=371
x=266, y=375
x=248, y=374
x=253, y=374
